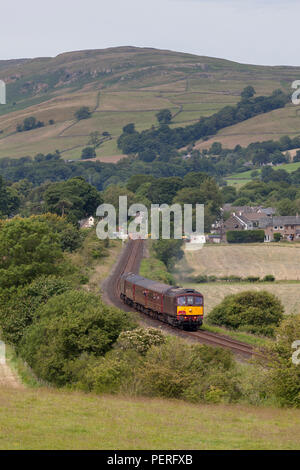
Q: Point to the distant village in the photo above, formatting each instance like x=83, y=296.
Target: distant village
x=256, y=218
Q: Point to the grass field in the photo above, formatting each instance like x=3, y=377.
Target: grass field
x=245, y=260
x=50, y=419
x=240, y=179
x=134, y=83
x=214, y=293
x=269, y=126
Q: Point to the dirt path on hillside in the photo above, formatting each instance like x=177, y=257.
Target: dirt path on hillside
x=8, y=378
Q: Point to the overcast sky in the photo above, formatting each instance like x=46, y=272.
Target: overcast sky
x=248, y=31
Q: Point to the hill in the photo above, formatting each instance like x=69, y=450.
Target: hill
x=128, y=84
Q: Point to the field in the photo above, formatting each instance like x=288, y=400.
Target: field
x=239, y=179
x=50, y=419
x=245, y=260
x=122, y=85
x=269, y=126
x=214, y=293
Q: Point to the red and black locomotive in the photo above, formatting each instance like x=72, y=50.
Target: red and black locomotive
x=174, y=305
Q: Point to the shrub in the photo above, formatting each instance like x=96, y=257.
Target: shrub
x=201, y=279
x=83, y=113
x=245, y=236
x=88, y=152
x=18, y=306
x=277, y=237
x=284, y=374
x=258, y=312
x=140, y=339
x=269, y=278
x=252, y=278
x=70, y=325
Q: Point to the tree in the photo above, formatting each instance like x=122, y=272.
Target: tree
x=88, y=152
x=284, y=371
x=95, y=139
x=19, y=305
x=74, y=197
x=9, y=199
x=286, y=207
x=248, y=93
x=129, y=128
x=164, y=116
x=83, y=113
x=29, y=248
x=257, y=312
x=168, y=251
x=163, y=190
x=70, y=326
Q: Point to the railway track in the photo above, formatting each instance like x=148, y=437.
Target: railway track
x=130, y=262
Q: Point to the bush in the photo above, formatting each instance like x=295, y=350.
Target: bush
x=284, y=374
x=18, y=306
x=245, y=236
x=83, y=113
x=259, y=312
x=140, y=339
x=269, y=278
x=252, y=279
x=70, y=325
x=277, y=237
x=88, y=152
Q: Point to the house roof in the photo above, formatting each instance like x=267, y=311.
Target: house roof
x=277, y=221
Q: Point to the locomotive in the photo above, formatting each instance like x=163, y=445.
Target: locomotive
x=179, y=307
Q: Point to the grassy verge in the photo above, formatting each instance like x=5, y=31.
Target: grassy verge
x=24, y=372
x=238, y=335
x=156, y=270
x=51, y=419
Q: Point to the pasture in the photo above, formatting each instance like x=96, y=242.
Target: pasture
x=55, y=419
x=134, y=84
x=245, y=260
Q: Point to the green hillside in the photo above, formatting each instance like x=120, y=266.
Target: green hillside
x=127, y=84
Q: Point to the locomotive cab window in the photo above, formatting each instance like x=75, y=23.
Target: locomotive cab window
x=181, y=301
x=190, y=300
x=198, y=300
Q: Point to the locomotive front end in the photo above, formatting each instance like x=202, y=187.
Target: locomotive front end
x=190, y=310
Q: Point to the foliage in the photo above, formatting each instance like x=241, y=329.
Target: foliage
x=277, y=236
x=165, y=140
x=29, y=123
x=284, y=374
x=164, y=116
x=88, y=152
x=75, y=198
x=82, y=113
x=172, y=369
x=29, y=248
x=168, y=251
x=18, y=305
x=245, y=236
x=256, y=312
x=70, y=325
x=153, y=268
x=140, y=339
x=9, y=199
